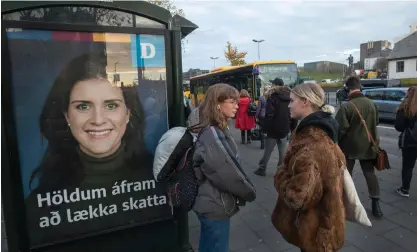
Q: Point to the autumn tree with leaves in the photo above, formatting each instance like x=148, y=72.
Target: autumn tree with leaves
x=235, y=57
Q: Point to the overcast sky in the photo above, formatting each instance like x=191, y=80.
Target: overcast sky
x=303, y=31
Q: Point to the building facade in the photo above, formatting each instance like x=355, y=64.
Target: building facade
x=371, y=47
x=402, y=62
x=193, y=72
x=377, y=61
x=325, y=67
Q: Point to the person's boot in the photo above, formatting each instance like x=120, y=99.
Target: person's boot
x=262, y=145
x=260, y=172
x=376, y=208
x=248, y=137
x=242, y=137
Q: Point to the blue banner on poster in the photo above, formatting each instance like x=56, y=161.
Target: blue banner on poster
x=147, y=51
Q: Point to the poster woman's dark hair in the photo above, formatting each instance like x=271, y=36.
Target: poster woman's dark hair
x=60, y=166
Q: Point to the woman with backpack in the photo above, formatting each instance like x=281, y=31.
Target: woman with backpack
x=223, y=185
x=406, y=123
x=244, y=122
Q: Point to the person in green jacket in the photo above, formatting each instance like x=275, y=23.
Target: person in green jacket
x=355, y=139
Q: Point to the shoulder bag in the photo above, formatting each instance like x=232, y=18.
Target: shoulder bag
x=381, y=162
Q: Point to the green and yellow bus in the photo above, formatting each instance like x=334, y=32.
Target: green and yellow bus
x=251, y=77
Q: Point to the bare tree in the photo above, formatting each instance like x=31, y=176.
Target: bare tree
x=381, y=64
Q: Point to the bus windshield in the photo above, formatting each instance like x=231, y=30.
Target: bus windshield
x=287, y=72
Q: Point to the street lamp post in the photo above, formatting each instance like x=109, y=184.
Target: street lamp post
x=258, y=42
x=214, y=61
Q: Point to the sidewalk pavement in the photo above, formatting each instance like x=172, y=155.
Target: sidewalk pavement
x=252, y=230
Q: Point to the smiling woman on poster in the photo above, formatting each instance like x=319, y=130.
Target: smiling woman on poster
x=96, y=173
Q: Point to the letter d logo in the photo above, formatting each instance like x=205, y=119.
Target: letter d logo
x=145, y=53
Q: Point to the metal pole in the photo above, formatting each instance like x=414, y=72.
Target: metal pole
x=214, y=60
x=259, y=50
x=259, y=53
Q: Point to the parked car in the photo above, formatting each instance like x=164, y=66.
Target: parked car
x=387, y=100
x=310, y=81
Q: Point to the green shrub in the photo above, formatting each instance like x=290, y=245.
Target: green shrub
x=408, y=82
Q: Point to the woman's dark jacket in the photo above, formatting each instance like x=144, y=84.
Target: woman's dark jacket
x=406, y=126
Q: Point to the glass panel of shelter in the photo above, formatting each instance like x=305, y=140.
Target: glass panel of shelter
x=83, y=16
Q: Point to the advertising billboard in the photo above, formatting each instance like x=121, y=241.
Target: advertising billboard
x=90, y=109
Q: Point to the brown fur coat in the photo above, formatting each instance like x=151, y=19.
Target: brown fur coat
x=309, y=212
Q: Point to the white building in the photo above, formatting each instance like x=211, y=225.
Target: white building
x=402, y=62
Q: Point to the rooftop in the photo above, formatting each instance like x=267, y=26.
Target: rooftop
x=405, y=48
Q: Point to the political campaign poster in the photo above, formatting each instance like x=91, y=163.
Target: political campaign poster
x=90, y=109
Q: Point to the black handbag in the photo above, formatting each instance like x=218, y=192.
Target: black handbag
x=256, y=133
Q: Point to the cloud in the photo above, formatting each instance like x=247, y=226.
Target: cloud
x=296, y=30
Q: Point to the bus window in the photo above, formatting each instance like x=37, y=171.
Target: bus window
x=287, y=72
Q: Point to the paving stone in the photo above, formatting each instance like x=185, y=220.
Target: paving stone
x=258, y=248
x=405, y=219
x=272, y=238
x=403, y=238
x=268, y=205
x=380, y=226
x=350, y=248
x=250, y=207
x=365, y=240
x=242, y=237
x=257, y=220
x=407, y=206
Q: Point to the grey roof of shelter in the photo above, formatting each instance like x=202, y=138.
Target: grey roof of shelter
x=405, y=48
x=187, y=26
x=383, y=53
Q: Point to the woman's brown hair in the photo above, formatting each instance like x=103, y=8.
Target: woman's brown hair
x=244, y=93
x=209, y=112
x=409, y=105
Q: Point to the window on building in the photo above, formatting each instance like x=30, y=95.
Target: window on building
x=400, y=66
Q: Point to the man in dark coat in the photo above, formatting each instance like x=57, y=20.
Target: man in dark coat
x=277, y=123
x=354, y=140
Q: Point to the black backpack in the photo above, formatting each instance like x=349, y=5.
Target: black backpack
x=251, y=109
x=182, y=184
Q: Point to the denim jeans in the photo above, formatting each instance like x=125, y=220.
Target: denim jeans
x=214, y=235
x=269, y=147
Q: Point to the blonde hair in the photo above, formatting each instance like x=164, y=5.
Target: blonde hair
x=244, y=93
x=209, y=112
x=313, y=93
x=409, y=104
x=265, y=89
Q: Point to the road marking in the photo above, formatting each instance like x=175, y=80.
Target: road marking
x=385, y=127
